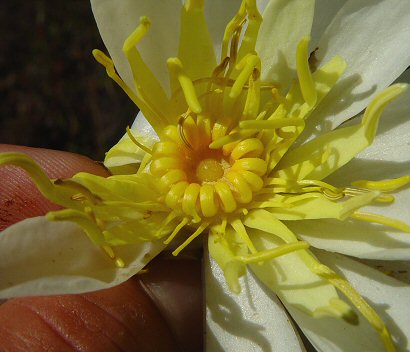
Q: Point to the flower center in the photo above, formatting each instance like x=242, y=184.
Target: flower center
x=197, y=179
x=209, y=170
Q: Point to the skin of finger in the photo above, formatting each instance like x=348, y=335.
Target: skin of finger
x=19, y=197
x=157, y=318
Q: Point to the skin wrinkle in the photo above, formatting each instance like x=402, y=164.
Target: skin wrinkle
x=70, y=320
x=47, y=323
x=114, y=317
x=105, y=329
x=16, y=334
x=127, y=303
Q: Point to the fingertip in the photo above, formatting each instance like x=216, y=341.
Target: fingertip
x=19, y=197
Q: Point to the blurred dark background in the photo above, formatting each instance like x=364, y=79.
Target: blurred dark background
x=53, y=94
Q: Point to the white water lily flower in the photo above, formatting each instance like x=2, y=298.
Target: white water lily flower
x=245, y=142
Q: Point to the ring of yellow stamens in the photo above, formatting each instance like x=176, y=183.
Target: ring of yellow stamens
x=199, y=181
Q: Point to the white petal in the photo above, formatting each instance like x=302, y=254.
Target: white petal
x=39, y=257
x=373, y=38
x=126, y=152
x=398, y=269
x=218, y=14
x=284, y=24
x=254, y=320
x=391, y=144
x=389, y=297
x=388, y=157
x=116, y=20
x=325, y=10
x=354, y=238
x=142, y=127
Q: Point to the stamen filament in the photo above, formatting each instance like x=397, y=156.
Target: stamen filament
x=306, y=82
x=385, y=185
x=241, y=231
x=271, y=124
x=155, y=118
x=176, y=67
x=138, y=144
x=198, y=231
x=380, y=219
x=344, y=286
x=176, y=230
x=270, y=254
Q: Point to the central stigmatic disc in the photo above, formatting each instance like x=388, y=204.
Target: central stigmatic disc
x=209, y=170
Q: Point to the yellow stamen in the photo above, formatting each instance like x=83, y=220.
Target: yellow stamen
x=175, y=66
x=262, y=256
x=385, y=185
x=138, y=144
x=178, y=228
x=241, y=231
x=271, y=124
x=380, y=219
x=358, y=301
x=146, y=83
x=307, y=85
x=155, y=118
x=198, y=231
x=246, y=67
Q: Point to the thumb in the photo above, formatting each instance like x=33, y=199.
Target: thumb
x=160, y=310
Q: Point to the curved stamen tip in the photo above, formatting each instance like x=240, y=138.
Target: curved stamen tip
x=306, y=82
x=176, y=68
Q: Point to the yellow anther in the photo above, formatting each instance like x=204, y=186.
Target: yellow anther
x=165, y=149
x=119, y=263
x=380, y=219
x=272, y=253
x=198, y=231
x=271, y=124
x=254, y=21
x=241, y=231
x=172, y=177
x=226, y=197
x=105, y=61
x=253, y=180
x=385, y=185
x=306, y=83
x=137, y=35
x=176, y=230
x=224, y=140
x=247, y=66
x=256, y=165
x=152, y=115
x=162, y=165
x=109, y=251
x=376, y=106
x=233, y=31
x=170, y=133
x=251, y=148
x=176, y=67
x=174, y=196
x=190, y=201
x=209, y=207
x=243, y=192
x=80, y=218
